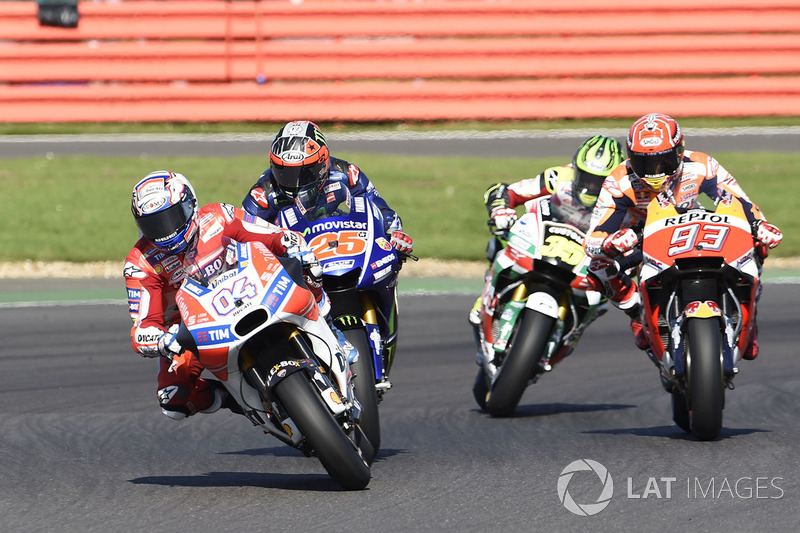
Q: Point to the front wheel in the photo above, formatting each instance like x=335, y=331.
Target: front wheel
x=364, y=380
x=521, y=363
x=481, y=388
x=331, y=446
x=680, y=412
x=704, y=373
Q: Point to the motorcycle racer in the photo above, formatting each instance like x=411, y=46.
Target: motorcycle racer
x=301, y=168
x=573, y=190
x=657, y=163
x=178, y=238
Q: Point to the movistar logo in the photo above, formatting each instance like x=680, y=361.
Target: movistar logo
x=337, y=225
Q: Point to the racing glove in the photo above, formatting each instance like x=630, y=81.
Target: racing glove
x=620, y=242
x=168, y=346
x=502, y=218
x=146, y=341
x=402, y=242
x=767, y=234
x=297, y=249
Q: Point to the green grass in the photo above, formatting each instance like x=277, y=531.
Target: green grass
x=78, y=208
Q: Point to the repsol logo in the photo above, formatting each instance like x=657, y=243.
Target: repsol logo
x=337, y=225
x=697, y=217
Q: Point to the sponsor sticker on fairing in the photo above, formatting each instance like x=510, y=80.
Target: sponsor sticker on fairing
x=213, y=335
x=383, y=273
x=380, y=262
x=343, y=264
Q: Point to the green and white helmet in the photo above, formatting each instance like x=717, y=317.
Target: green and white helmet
x=594, y=160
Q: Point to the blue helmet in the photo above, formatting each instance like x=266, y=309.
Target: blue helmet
x=165, y=209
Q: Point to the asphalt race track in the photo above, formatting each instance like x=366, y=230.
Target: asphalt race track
x=85, y=447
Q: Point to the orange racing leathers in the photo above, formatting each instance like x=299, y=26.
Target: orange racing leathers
x=153, y=277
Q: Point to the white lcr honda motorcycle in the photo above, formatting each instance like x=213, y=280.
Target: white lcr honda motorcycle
x=256, y=329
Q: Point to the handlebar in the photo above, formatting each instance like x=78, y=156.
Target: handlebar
x=403, y=256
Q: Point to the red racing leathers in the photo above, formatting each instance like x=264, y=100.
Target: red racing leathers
x=153, y=277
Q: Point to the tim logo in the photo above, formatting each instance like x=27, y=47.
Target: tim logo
x=219, y=335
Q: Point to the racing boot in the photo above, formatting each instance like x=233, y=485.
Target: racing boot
x=222, y=400
x=475, y=313
x=637, y=328
x=626, y=297
x=181, y=391
x=752, y=349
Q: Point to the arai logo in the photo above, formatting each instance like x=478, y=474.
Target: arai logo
x=292, y=157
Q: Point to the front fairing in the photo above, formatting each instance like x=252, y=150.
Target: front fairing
x=672, y=234
x=346, y=233
x=541, y=254
x=536, y=238
x=225, y=308
x=697, y=257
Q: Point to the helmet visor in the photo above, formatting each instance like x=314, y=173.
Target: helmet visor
x=656, y=165
x=588, y=183
x=166, y=224
x=292, y=180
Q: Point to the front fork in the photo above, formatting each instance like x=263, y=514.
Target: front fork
x=383, y=349
x=673, y=362
x=342, y=404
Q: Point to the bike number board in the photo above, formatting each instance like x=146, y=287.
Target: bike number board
x=347, y=243
x=563, y=243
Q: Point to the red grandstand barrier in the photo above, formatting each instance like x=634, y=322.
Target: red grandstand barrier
x=363, y=60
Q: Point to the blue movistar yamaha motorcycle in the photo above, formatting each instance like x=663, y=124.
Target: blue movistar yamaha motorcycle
x=360, y=270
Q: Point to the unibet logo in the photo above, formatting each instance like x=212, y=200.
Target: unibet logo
x=586, y=509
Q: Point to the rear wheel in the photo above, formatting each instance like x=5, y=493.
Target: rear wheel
x=521, y=363
x=337, y=453
x=364, y=380
x=704, y=373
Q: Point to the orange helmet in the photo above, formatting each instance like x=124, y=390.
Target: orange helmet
x=655, y=150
